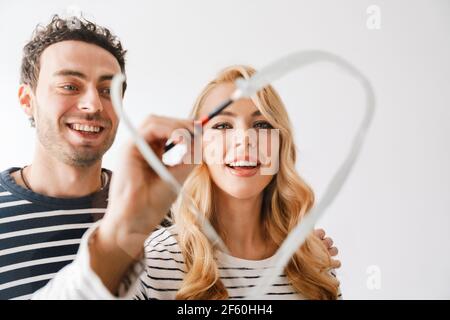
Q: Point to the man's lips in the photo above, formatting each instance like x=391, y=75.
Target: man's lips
x=86, y=130
x=89, y=126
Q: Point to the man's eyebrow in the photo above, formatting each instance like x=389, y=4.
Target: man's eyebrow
x=74, y=73
x=105, y=77
x=231, y=114
x=78, y=74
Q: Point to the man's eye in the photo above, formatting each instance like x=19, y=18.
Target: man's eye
x=263, y=125
x=221, y=126
x=106, y=91
x=70, y=87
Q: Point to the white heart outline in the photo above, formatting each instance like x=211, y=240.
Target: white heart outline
x=248, y=87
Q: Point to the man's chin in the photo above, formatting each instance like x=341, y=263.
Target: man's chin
x=86, y=153
x=82, y=161
x=83, y=156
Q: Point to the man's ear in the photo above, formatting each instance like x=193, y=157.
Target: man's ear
x=25, y=95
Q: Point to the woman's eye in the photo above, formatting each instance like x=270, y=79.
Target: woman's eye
x=263, y=125
x=221, y=126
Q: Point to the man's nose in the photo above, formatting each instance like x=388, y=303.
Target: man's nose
x=91, y=102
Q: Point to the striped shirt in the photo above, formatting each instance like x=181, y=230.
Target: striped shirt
x=165, y=270
x=39, y=235
x=159, y=274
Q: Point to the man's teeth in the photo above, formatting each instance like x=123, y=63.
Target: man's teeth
x=243, y=164
x=83, y=127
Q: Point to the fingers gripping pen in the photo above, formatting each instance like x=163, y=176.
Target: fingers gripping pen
x=236, y=95
x=153, y=160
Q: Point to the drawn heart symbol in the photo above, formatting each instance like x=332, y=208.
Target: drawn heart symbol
x=248, y=87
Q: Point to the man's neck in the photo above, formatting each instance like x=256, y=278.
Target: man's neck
x=50, y=177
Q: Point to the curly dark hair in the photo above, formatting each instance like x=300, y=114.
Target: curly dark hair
x=61, y=29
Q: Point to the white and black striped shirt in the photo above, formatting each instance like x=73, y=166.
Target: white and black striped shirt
x=40, y=235
x=165, y=270
x=159, y=274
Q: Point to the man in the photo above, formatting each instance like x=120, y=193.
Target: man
x=47, y=206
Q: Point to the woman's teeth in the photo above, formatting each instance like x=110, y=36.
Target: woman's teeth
x=85, y=128
x=242, y=164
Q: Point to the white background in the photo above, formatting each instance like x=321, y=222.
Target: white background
x=394, y=211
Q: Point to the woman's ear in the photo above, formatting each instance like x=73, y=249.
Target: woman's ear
x=25, y=95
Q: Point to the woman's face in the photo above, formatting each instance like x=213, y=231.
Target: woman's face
x=239, y=145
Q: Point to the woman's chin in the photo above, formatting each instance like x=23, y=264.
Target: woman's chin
x=242, y=193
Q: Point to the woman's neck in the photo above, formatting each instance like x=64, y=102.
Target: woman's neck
x=240, y=223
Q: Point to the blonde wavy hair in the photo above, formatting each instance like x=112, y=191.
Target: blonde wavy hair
x=286, y=200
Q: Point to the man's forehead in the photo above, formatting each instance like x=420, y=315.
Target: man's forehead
x=83, y=57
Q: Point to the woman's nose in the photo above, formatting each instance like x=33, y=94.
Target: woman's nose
x=244, y=137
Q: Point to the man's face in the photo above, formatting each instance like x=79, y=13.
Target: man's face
x=75, y=120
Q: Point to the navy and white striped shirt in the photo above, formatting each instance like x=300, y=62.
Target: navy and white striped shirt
x=39, y=235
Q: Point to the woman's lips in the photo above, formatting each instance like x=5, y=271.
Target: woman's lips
x=243, y=171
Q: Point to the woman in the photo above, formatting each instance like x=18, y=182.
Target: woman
x=253, y=212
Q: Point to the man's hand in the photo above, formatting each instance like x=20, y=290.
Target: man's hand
x=138, y=202
x=328, y=242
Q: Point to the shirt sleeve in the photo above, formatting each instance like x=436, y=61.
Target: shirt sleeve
x=77, y=281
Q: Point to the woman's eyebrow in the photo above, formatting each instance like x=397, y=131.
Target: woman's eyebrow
x=231, y=114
